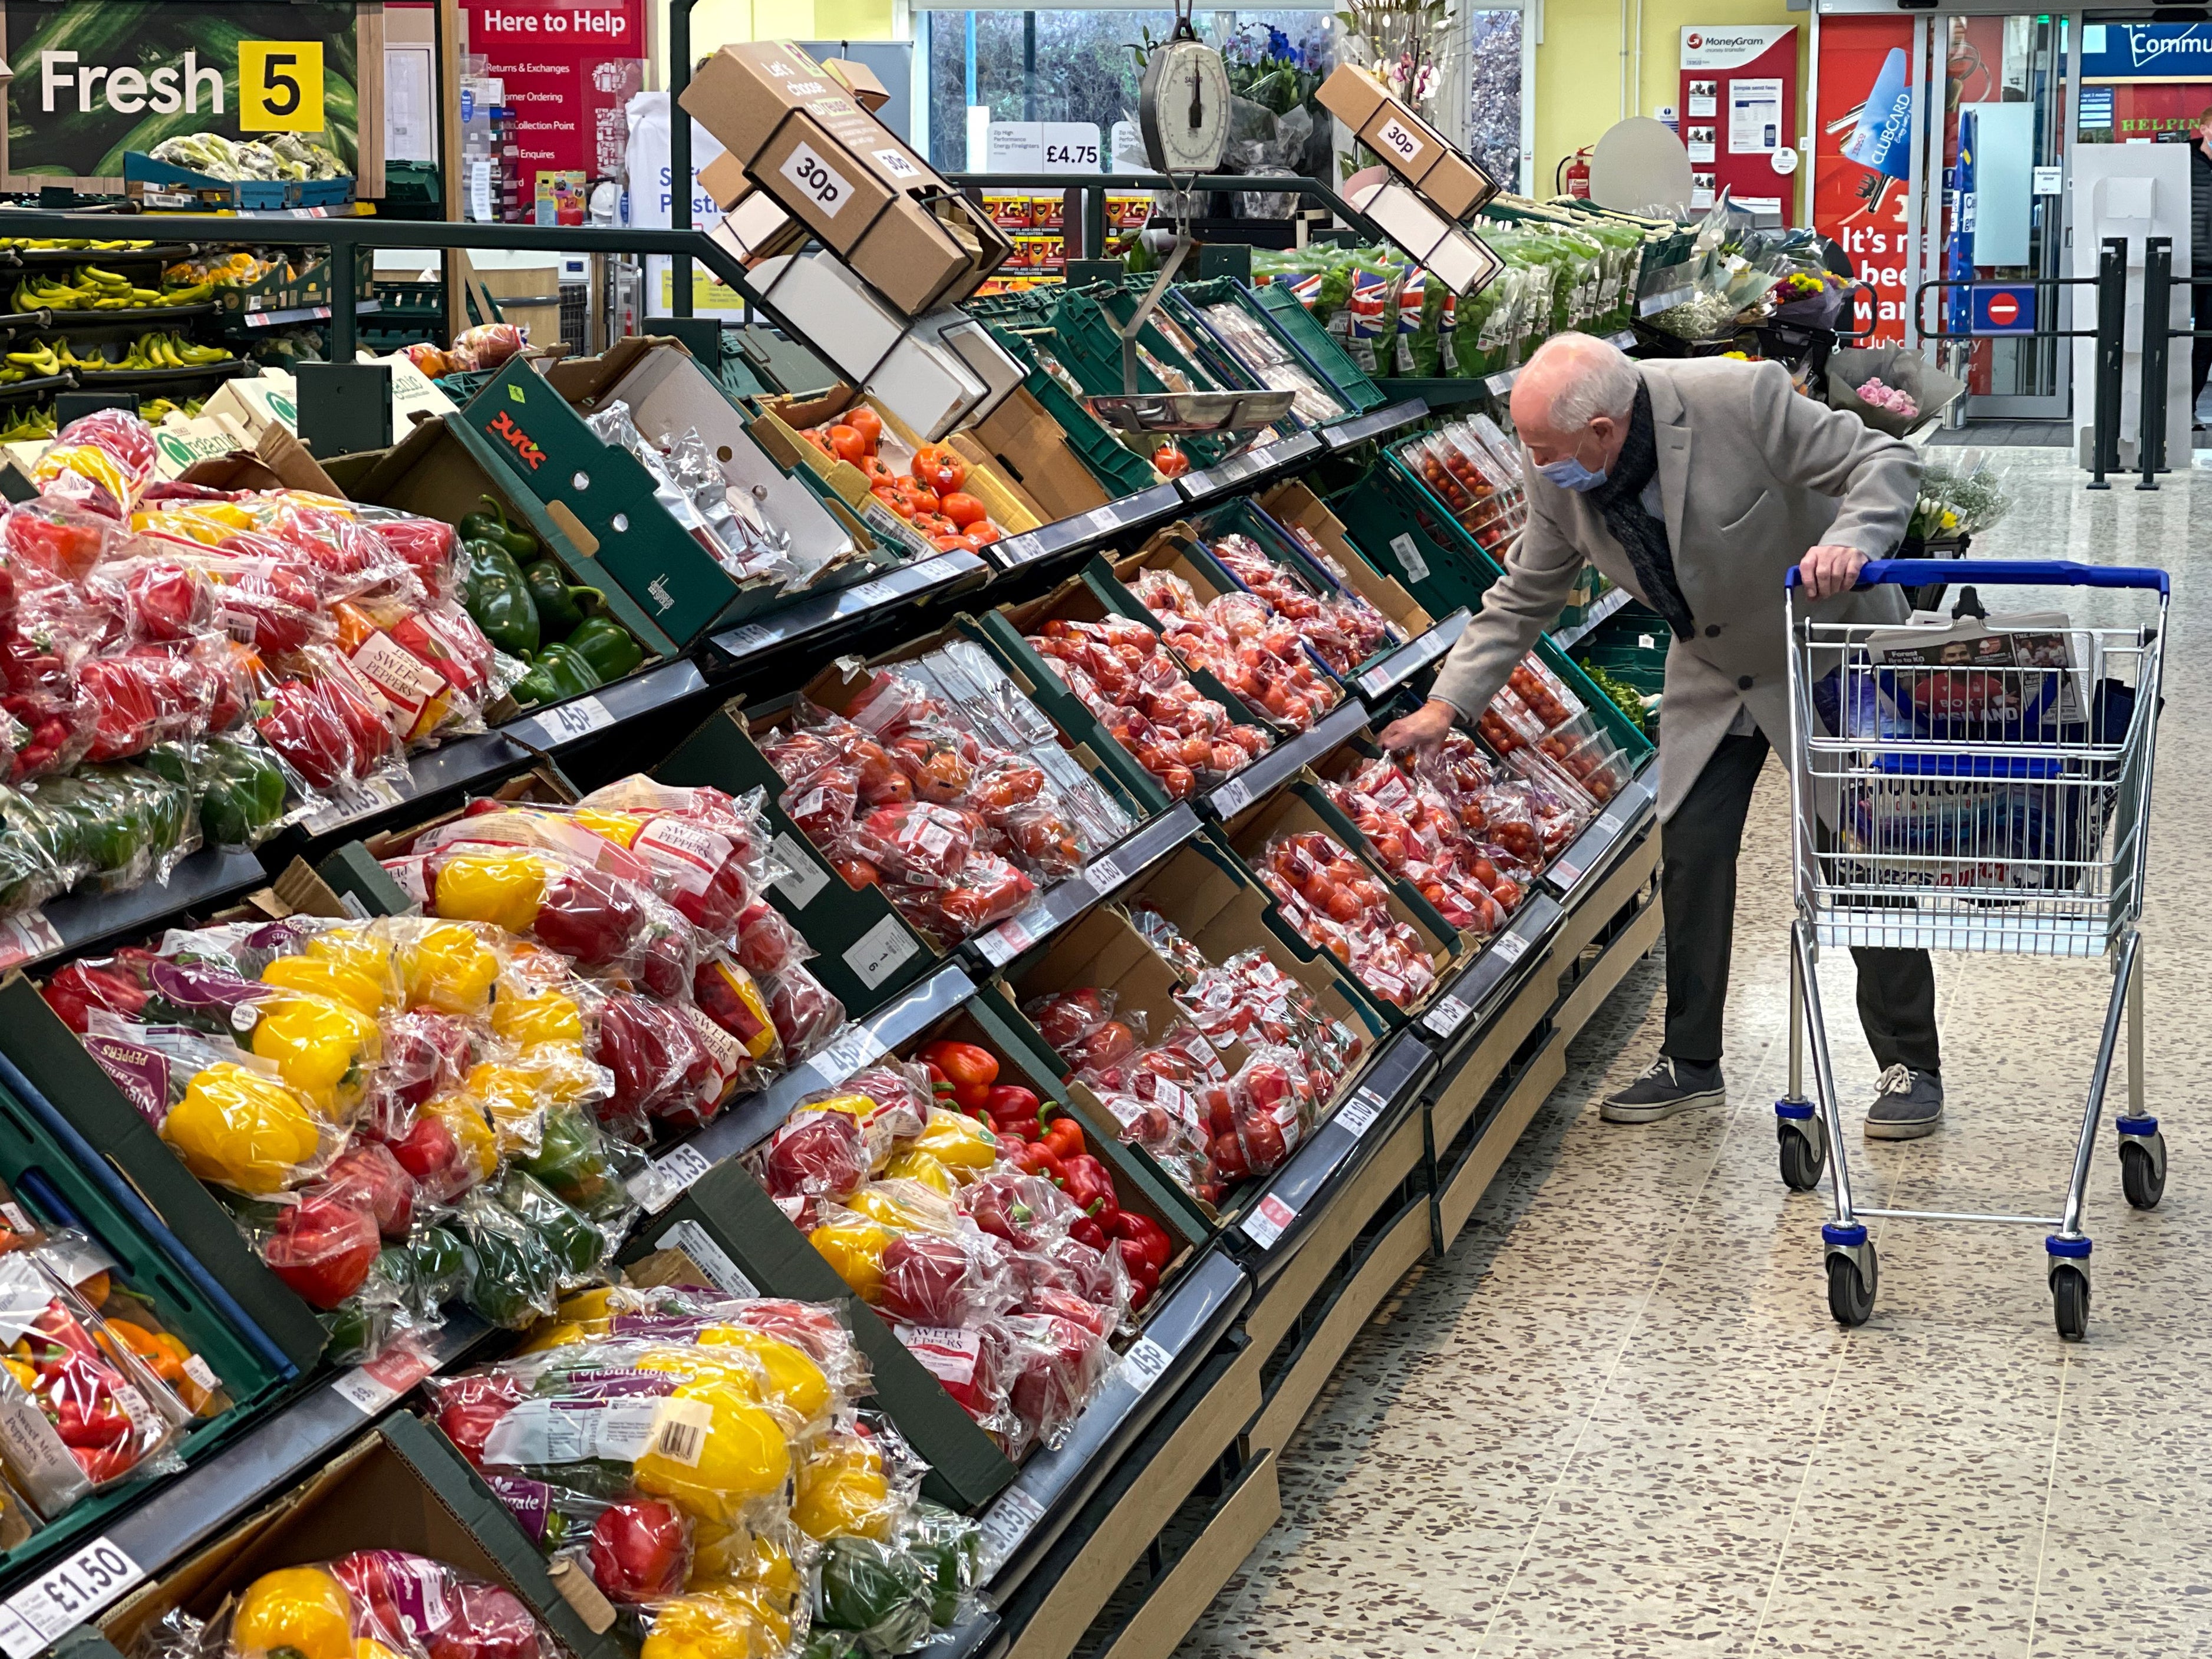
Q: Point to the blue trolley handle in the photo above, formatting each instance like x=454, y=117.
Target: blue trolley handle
x=2052, y=572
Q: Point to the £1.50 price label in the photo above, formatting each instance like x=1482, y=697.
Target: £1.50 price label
x=65, y=1597
x=280, y=86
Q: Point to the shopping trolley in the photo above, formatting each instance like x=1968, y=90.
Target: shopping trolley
x=1972, y=795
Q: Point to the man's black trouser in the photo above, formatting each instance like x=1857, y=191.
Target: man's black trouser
x=1897, y=988
x=2200, y=348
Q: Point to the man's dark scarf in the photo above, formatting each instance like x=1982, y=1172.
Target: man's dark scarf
x=1643, y=538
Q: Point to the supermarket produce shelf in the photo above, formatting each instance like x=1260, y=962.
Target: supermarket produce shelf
x=565, y=723
x=36, y=386
x=1024, y=1521
x=1435, y=393
x=1268, y=773
x=1111, y=870
x=1375, y=423
x=71, y=322
x=1573, y=635
x=1384, y=680
x=129, y=378
x=78, y=255
x=302, y=314
x=85, y=917
x=1463, y=1007
x=809, y=620
x=1592, y=853
x=738, y=1129
x=1070, y=536
x=181, y=1514
x=1238, y=472
x=1390, y=1092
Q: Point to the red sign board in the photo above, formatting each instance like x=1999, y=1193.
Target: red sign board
x=2004, y=308
x=1739, y=109
x=1861, y=207
x=569, y=68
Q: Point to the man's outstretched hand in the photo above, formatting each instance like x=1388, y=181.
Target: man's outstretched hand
x=1422, y=730
x=1829, y=569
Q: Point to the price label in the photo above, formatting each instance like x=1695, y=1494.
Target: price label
x=1004, y=942
x=673, y=1175
x=347, y=802
x=1510, y=947
x=1566, y=872
x=1267, y=1221
x=849, y=1050
x=1006, y=1523
x=1145, y=1364
x=280, y=86
x=1072, y=158
x=578, y=718
x=1101, y=519
x=895, y=163
x=1358, y=1114
x=1375, y=681
x=1499, y=385
x=744, y=642
x=1417, y=567
x=370, y=1389
x=868, y=595
x=878, y=952
x=25, y=937
x=1613, y=826
x=820, y=182
x=1104, y=875
x=1399, y=140
x=1446, y=1016
x=1017, y=550
x=65, y=1596
x=807, y=877
x=1232, y=797
x=710, y=1257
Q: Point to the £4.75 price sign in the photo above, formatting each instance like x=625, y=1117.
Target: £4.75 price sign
x=280, y=86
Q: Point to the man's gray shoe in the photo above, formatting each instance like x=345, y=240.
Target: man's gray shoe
x=1670, y=1086
x=1907, y=1104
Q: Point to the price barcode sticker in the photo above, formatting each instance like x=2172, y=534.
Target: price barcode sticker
x=744, y=640
x=1004, y=942
x=1613, y=826
x=578, y=718
x=1358, y=1114
x=344, y=802
x=370, y=1389
x=849, y=1050
x=1102, y=519
x=1009, y=1520
x=1446, y=1016
x=1417, y=567
x=868, y=595
x=1232, y=797
x=65, y=1596
x=27, y=937
x=1104, y=874
x=1267, y=1221
x=876, y=953
x=1016, y=550
x=1566, y=872
x=1510, y=947
x=1145, y=1364
x=1498, y=385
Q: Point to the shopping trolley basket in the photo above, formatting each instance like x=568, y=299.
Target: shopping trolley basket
x=1956, y=787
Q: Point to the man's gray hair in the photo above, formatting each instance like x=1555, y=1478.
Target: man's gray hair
x=1604, y=381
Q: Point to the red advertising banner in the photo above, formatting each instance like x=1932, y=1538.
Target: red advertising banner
x=569, y=68
x=1739, y=113
x=2143, y=109
x=1861, y=146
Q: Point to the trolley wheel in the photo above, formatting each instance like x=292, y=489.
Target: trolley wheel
x=2069, y=1301
x=2142, y=1172
x=1803, y=1159
x=1850, y=1293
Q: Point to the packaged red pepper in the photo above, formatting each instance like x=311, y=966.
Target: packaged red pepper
x=100, y=462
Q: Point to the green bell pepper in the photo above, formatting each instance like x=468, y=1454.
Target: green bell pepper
x=865, y=1586
x=570, y=1163
x=498, y=599
x=512, y=1275
x=559, y=673
x=239, y=785
x=560, y=607
x=605, y=644
x=441, y=1272
x=578, y=1247
x=356, y=1331
x=496, y=527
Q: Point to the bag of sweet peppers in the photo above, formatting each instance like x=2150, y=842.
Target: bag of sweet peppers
x=75, y=1258
x=375, y=1602
x=99, y=462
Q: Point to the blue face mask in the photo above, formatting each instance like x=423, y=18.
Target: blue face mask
x=1571, y=474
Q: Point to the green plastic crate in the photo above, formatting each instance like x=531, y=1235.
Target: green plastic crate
x=1315, y=344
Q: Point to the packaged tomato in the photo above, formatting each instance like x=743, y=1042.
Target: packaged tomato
x=920, y=843
x=1081, y=1027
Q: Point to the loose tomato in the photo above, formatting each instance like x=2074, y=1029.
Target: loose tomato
x=963, y=508
x=847, y=444
x=939, y=468
x=898, y=500
x=1169, y=462
x=869, y=425
x=925, y=499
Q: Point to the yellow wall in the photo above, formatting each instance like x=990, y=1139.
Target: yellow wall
x=716, y=22
x=1579, y=65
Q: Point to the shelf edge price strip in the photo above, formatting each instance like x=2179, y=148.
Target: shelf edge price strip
x=65, y=1597
x=667, y=1179
x=578, y=718
x=1010, y=1519
x=1145, y=1364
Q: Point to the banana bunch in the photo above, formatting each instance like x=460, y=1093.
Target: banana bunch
x=169, y=351
x=91, y=288
x=22, y=365
x=29, y=425
x=51, y=243
x=157, y=410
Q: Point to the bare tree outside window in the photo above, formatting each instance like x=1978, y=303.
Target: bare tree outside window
x=1494, y=117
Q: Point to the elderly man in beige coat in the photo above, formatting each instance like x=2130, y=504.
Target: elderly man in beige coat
x=1696, y=485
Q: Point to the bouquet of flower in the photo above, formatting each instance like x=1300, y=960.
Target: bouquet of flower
x=1957, y=499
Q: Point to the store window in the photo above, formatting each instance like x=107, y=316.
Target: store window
x=1083, y=67
x=1493, y=124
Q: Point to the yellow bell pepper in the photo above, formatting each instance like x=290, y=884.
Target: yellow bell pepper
x=322, y=1048
x=914, y=1165
x=305, y=1609
x=788, y=1375
x=855, y=1249
x=239, y=1129
x=559, y=1334
x=449, y=969
x=956, y=1140
x=592, y=1302
x=331, y=978
x=504, y=887
x=509, y=1095
x=741, y=1451
x=908, y=1209
x=546, y=1016
x=471, y=1130
x=842, y=1491
x=368, y=1647
x=22, y=1370
x=712, y=1624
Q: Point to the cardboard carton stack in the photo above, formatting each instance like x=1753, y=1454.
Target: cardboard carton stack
x=1434, y=189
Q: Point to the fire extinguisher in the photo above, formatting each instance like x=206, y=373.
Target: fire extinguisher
x=1571, y=176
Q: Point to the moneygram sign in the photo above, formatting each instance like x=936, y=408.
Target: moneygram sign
x=1728, y=48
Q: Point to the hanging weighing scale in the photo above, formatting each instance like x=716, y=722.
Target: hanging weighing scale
x=1183, y=111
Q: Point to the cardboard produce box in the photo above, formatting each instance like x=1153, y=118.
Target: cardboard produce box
x=1034, y=452
x=1461, y=262
x=1413, y=148
x=402, y=1486
x=1295, y=507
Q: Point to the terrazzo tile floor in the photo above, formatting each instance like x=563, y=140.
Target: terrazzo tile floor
x=1617, y=1419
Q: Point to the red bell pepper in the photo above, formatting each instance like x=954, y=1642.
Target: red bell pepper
x=1159, y=1246
x=370, y=1177
x=972, y=1068
x=639, y=1549
x=1089, y=1184
x=1065, y=1136
x=469, y=1407
x=1037, y=1159
x=322, y=1247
